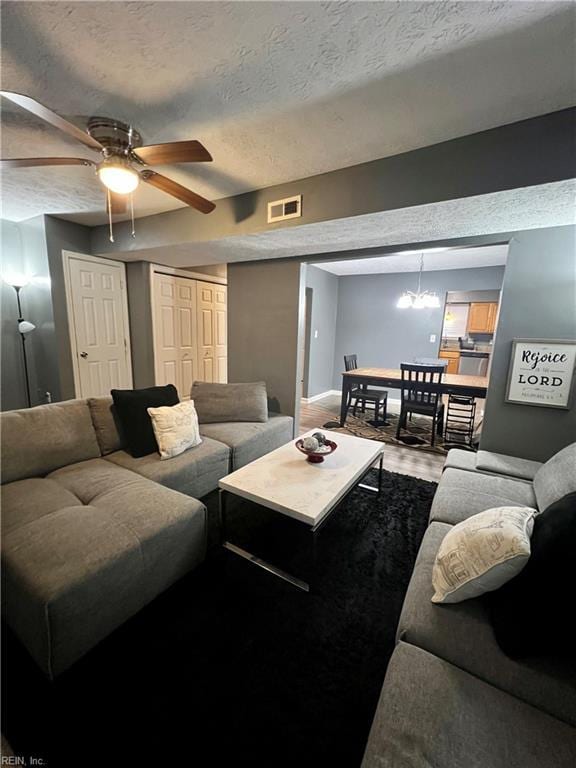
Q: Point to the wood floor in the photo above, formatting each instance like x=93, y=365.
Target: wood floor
x=406, y=461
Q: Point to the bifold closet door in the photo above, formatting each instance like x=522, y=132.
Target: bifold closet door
x=221, y=333
x=212, y=332
x=175, y=332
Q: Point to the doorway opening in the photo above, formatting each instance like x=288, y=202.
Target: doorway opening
x=354, y=308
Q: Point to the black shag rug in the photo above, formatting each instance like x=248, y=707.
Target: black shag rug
x=233, y=664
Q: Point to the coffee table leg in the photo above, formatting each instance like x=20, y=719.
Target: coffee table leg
x=303, y=585
x=222, y=514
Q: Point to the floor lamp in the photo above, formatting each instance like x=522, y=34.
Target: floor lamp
x=24, y=326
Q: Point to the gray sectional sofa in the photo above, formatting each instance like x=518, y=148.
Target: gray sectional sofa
x=90, y=534
x=451, y=697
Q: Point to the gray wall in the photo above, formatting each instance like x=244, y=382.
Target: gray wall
x=265, y=328
x=522, y=154
x=322, y=308
x=12, y=371
x=538, y=301
x=24, y=250
x=370, y=325
x=141, y=329
x=63, y=236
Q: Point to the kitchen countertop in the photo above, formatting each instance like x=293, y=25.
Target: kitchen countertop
x=465, y=351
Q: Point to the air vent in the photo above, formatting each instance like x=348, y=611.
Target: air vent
x=289, y=208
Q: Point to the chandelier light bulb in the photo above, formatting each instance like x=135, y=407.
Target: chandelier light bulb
x=405, y=301
x=431, y=300
x=118, y=176
x=419, y=299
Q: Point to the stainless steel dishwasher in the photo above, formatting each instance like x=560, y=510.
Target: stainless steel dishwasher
x=473, y=363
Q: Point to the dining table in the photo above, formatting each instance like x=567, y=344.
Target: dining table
x=451, y=384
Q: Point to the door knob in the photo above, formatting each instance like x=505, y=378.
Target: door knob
x=84, y=354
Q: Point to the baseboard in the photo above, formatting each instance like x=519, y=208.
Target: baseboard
x=313, y=399
x=338, y=393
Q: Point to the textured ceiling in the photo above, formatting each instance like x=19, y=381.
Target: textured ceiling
x=547, y=205
x=276, y=91
x=453, y=258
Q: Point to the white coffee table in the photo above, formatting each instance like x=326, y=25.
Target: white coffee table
x=284, y=481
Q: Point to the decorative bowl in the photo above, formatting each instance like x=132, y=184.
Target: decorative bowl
x=315, y=457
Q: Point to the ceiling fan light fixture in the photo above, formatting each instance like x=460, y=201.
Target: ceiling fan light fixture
x=117, y=175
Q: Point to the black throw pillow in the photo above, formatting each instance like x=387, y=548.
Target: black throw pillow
x=533, y=614
x=131, y=408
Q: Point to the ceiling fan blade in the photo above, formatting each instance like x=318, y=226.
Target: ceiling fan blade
x=118, y=203
x=48, y=116
x=175, y=152
x=32, y=162
x=177, y=190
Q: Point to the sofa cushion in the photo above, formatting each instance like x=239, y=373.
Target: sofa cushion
x=132, y=410
x=72, y=576
x=175, y=428
x=481, y=553
x=556, y=478
x=461, y=494
x=106, y=424
x=462, y=634
x=433, y=715
x=530, y=614
x=195, y=472
x=510, y=466
x=26, y=500
x=458, y=458
x=88, y=479
x=248, y=440
x=230, y=402
x=37, y=440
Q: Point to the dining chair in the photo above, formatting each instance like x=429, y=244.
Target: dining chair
x=416, y=396
x=363, y=395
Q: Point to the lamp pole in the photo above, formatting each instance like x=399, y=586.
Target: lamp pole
x=18, y=288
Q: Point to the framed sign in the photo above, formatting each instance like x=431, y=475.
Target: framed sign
x=541, y=372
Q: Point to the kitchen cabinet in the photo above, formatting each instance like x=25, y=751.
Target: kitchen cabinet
x=492, y=317
x=482, y=317
x=453, y=358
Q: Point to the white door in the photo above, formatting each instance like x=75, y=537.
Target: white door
x=206, y=325
x=186, y=314
x=166, y=349
x=221, y=333
x=175, y=332
x=98, y=309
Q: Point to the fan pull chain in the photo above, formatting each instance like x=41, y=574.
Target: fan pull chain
x=109, y=198
x=132, y=213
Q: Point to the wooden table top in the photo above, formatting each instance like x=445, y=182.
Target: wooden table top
x=450, y=379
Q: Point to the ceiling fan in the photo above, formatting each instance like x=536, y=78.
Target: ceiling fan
x=124, y=159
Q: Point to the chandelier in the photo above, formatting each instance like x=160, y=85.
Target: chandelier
x=419, y=299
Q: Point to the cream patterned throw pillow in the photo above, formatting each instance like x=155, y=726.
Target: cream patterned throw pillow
x=481, y=553
x=175, y=428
